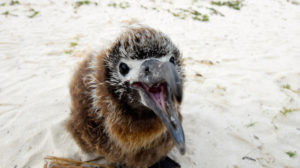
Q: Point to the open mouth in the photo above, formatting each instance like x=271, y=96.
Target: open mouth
x=160, y=88
x=156, y=92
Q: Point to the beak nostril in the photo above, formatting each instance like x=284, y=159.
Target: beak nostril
x=147, y=70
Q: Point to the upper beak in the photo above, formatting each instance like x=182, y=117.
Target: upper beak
x=159, y=83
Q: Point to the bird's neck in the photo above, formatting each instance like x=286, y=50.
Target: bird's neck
x=132, y=128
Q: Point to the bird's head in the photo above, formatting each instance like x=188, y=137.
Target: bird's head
x=144, y=69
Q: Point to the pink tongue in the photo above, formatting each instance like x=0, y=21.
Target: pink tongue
x=157, y=94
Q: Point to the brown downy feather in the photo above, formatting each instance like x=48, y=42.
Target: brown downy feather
x=109, y=130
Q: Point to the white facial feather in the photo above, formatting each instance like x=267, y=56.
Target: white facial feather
x=134, y=66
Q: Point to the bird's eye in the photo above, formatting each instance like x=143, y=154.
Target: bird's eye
x=123, y=68
x=172, y=60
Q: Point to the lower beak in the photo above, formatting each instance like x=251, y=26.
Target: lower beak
x=167, y=85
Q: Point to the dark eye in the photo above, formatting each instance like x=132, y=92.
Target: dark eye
x=123, y=68
x=172, y=60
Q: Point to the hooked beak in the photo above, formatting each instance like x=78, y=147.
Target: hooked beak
x=159, y=84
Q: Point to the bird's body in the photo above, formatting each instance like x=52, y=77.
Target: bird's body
x=108, y=115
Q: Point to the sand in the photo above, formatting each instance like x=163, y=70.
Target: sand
x=242, y=92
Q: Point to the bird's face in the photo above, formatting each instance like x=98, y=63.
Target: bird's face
x=144, y=67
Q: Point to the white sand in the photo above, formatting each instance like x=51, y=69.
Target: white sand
x=255, y=51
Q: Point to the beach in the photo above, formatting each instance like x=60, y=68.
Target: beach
x=241, y=105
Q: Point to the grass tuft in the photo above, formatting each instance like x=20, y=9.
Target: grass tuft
x=285, y=111
x=7, y=13
x=68, y=51
x=12, y=2
x=73, y=44
x=291, y=154
x=237, y=4
x=251, y=124
x=122, y=5
x=286, y=86
x=220, y=87
x=185, y=13
x=34, y=13
x=215, y=12
x=294, y=2
x=80, y=3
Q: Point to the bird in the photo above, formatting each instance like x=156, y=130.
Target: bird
x=126, y=98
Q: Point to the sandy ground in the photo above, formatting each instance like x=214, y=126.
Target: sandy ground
x=242, y=95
